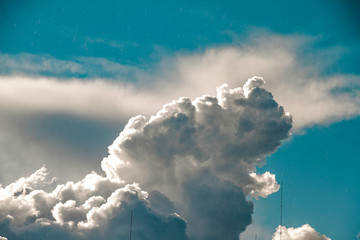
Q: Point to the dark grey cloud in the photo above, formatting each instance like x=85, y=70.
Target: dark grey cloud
x=186, y=173
x=216, y=209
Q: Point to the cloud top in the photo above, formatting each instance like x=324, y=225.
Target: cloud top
x=305, y=232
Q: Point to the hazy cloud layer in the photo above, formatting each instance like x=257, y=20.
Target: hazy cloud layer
x=95, y=99
x=295, y=77
x=305, y=232
x=186, y=173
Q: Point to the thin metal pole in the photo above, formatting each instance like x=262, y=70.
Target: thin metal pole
x=281, y=206
x=131, y=217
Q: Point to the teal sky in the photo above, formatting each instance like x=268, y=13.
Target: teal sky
x=146, y=44
x=137, y=32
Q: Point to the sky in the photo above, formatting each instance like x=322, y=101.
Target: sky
x=188, y=113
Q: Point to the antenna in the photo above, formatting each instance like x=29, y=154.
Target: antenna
x=281, y=206
x=131, y=217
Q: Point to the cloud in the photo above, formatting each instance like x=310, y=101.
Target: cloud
x=296, y=78
x=305, y=232
x=26, y=64
x=96, y=207
x=205, y=149
x=185, y=172
x=263, y=185
x=34, y=65
x=93, y=99
x=230, y=133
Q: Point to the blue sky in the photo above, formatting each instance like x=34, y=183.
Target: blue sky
x=73, y=73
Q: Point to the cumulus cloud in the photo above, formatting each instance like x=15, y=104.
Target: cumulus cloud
x=263, y=185
x=93, y=208
x=185, y=172
x=205, y=148
x=305, y=232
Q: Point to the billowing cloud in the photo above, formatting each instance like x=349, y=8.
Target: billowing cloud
x=94, y=208
x=185, y=172
x=305, y=232
x=263, y=185
x=205, y=148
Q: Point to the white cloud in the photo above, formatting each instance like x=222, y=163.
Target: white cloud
x=92, y=99
x=311, y=97
x=88, y=209
x=263, y=185
x=182, y=172
x=204, y=150
x=305, y=232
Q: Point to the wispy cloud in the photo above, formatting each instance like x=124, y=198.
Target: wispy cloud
x=312, y=96
x=25, y=64
x=111, y=43
x=30, y=64
x=95, y=99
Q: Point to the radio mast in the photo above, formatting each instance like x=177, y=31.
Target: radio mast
x=131, y=217
x=281, y=206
